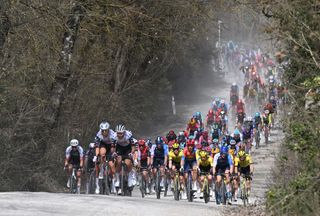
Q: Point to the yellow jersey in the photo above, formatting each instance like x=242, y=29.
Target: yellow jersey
x=175, y=158
x=244, y=163
x=208, y=162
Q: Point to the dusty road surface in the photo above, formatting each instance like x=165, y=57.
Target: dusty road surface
x=27, y=203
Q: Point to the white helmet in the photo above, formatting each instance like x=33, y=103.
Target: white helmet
x=120, y=128
x=74, y=142
x=266, y=111
x=222, y=101
x=92, y=145
x=104, y=125
x=234, y=84
x=249, y=118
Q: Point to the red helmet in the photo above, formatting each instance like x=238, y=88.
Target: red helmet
x=142, y=142
x=190, y=143
x=210, y=111
x=240, y=101
x=171, y=132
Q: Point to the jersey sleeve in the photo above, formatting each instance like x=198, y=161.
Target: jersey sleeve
x=152, y=150
x=236, y=161
x=230, y=160
x=68, y=150
x=81, y=152
x=249, y=159
x=215, y=159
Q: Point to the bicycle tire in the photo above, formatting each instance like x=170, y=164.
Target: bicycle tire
x=91, y=182
x=142, y=186
x=73, y=182
x=190, y=192
x=206, y=191
x=244, y=193
x=106, y=180
x=158, y=189
x=176, y=188
x=166, y=184
x=223, y=193
x=122, y=180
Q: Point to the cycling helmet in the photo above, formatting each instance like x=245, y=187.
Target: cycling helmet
x=74, y=142
x=222, y=101
x=171, y=132
x=222, y=112
x=190, y=143
x=224, y=150
x=159, y=140
x=203, y=154
x=234, y=84
x=198, y=113
x=233, y=142
x=249, y=118
x=257, y=114
x=210, y=111
x=92, y=145
x=215, y=141
x=192, y=121
x=175, y=146
x=142, y=142
x=236, y=132
x=241, y=154
x=104, y=126
x=181, y=133
x=120, y=128
x=266, y=112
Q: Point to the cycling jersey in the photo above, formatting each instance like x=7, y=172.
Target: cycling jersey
x=206, y=163
x=244, y=163
x=176, y=159
x=105, y=141
x=74, y=155
x=91, y=152
x=159, y=152
x=143, y=155
x=221, y=163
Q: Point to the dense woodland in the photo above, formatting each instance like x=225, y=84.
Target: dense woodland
x=67, y=65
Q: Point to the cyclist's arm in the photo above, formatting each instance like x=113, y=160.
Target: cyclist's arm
x=231, y=163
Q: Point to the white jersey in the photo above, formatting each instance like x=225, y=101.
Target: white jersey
x=79, y=148
x=106, y=139
x=125, y=140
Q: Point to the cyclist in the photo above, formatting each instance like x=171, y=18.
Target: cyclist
x=159, y=158
x=204, y=138
x=210, y=118
x=234, y=94
x=224, y=121
x=198, y=118
x=125, y=148
x=240, y=106
x=104, y=141
x=223, y=107
x=171, y=136
x=205, y=164
x=193, y=127
x=90, y=153
x=215, y=148
x=182, y=139
x=233, y=149
x=175, y=156
x=215, y=104
x=247, y=135
x=243, y=165
x=189, y=162
x=237, y=136
x=144, y=161
x=74, y=159
x=216, y=132
x=257, y=121
x=223, y=165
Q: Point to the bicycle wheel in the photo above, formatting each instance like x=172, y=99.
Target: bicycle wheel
x=223, y=192
x=206, y=191
x=244, y=193
x=166, y=185
x=73, y=182
x=266, y=135
x=158, y=189
x=122, y=179
x=176, y=188
x=257, y=139
x=92, y=182
x=106, y=180
x=142, y=186
x=189, y=187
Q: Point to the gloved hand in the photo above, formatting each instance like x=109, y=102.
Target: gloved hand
x=135, y=162
x=94, y=159
x=181, y=169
